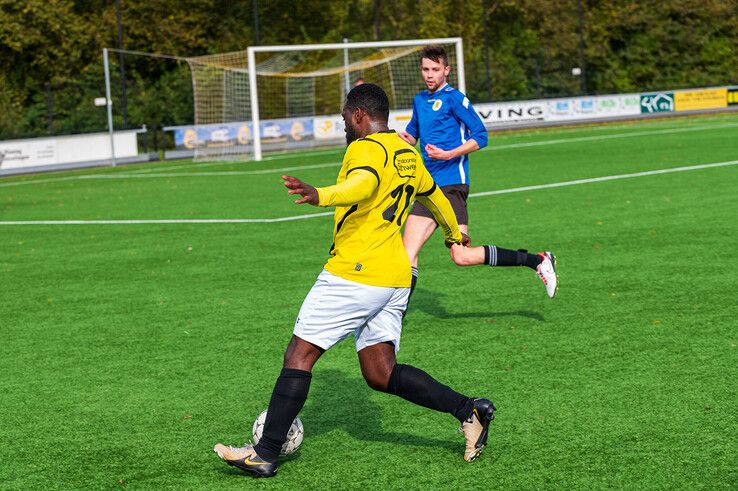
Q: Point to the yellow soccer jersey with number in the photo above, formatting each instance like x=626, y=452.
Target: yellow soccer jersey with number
x=367, y=240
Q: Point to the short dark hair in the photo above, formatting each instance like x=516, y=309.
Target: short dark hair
x=434, y=53
x=371, y=98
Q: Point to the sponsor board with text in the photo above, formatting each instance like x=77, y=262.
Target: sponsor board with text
x=732, y=96
x=595, y=107
x=691, y=100
x=40, y=152
x=496, y=114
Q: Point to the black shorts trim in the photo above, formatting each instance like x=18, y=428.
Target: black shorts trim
x=457, y=195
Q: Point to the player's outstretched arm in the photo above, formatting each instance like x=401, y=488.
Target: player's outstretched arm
x=309, y=193
x=358, y=186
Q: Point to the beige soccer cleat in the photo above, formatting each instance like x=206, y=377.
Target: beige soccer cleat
x=476, y=428
x=246, y=459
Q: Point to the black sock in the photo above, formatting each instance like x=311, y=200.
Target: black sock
x=416, y=386
x=288, y=397
x=497, y=256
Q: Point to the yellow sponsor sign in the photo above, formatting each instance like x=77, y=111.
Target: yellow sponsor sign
x=690, y=100
x=732, y=97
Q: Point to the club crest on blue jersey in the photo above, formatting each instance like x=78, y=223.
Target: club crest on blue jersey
x=437, y=104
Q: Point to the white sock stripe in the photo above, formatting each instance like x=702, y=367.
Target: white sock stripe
x=491, y=255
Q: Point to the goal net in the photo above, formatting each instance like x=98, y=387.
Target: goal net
x=278, y=98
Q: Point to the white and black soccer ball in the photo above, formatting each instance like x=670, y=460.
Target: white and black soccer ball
x=294, y=436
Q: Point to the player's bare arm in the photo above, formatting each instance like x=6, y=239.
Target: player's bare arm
x=437, y=153
x=309, y=193
x=407, y=137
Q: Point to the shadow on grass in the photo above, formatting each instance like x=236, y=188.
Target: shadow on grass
x=429, y=302
x=337, y=401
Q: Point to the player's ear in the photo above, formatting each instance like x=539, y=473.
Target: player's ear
x=358, y=115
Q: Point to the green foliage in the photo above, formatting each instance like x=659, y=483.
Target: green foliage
x=532, y=47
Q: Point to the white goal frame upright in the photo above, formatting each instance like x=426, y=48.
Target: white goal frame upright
x=252, y=50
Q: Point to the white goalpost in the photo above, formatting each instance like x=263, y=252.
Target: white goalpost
x=276, y=98
x=345, y=71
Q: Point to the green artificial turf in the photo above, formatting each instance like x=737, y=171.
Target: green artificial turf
x=128, y=351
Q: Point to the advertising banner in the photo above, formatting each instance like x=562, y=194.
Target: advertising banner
x=690, y=100
x=27, y=153
x=228, y=135
x=595, y=107
x=496, y=114
x=732, y=96
x=658, y=102
x=38, y=152
x=630, y=104
x=328, y=127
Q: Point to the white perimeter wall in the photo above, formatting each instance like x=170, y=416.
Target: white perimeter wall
x=37, y=152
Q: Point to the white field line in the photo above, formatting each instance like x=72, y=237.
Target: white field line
x=607, y=137
x=165, y=221
x=130, y=175
x=270, y=158
x=156, y=171
x=40, y=181
x=126, y=175
x=315, y=215
x=604, y=178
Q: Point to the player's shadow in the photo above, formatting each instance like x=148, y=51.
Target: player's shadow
x=339, y=402
x=429, y=301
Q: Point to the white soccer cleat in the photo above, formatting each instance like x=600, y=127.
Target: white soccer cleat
x=546, y=271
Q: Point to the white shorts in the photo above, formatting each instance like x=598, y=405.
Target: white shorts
x=335, y=308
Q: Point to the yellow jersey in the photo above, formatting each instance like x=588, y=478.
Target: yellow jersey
x=379, y=178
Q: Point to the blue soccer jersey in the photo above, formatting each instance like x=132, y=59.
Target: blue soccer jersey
x=446, y=119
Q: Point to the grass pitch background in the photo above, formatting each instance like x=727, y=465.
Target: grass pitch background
x=129, y=350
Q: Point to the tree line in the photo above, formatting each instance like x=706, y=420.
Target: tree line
x=51, y=50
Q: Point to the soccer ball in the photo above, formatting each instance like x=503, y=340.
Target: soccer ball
x=294, y=436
